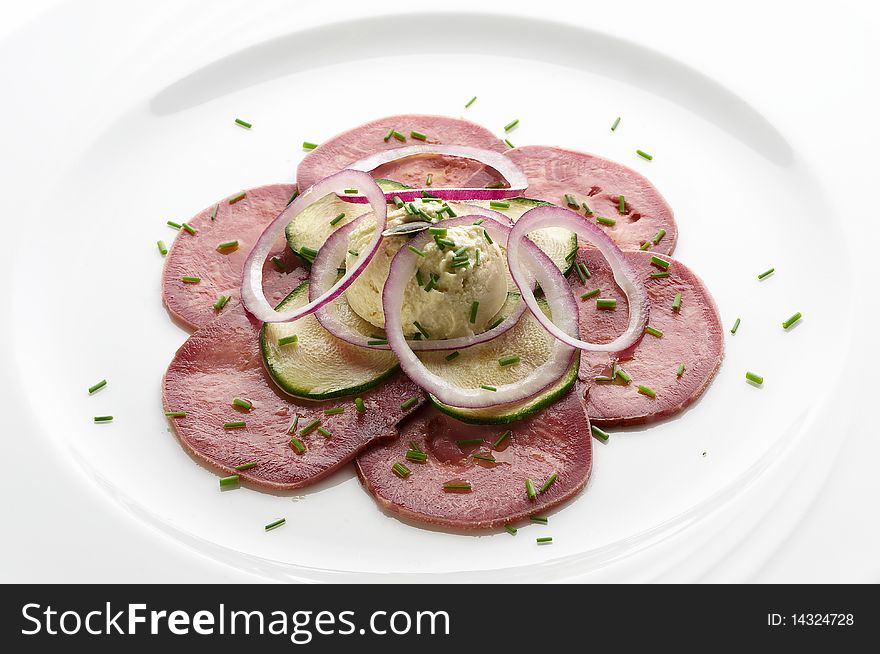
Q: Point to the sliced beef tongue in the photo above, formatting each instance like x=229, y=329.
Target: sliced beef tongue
x=556, y=441
x=196, y=255
x=221, y=362
x=598, y=182
x=692, y=336
x=343, y=149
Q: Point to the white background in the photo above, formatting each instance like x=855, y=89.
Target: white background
x=811, y=59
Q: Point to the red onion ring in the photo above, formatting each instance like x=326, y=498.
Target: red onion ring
x=624, y=274
x=333, y=251
x=562, y=305
x=515, y=177
x=252, y=294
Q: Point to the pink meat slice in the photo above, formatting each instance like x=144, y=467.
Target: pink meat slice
x=599, y=182
x=196, y=255
x=343, y=149
x=221, y=362
x=692, y=336
x=556, y=441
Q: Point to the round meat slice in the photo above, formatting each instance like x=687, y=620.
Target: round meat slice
x=554, y=442
x=692, y=337
x=222, y=362
x=220, y=272
x=599, y=183
x=343, y=149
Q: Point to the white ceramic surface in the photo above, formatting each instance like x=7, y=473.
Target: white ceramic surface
x=147, y=135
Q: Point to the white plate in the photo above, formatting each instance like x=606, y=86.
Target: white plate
x=149, y=136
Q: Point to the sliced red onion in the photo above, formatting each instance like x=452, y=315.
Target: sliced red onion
x=252, y=294
x=624, y=274
x=333, y=253
x=562, y=305
x=515, y=177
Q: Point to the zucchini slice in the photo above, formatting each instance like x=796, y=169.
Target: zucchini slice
x=479, y=364
x=557, y=242
x=319, y=366
x=311, y=227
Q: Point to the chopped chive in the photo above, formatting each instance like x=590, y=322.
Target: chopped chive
x=398, y=135
x=653, y=331
x=417, y=251
x=335, y=411
x=228, y=245
x=753, y=377
x=547, y=485
x=644, y=390
x=457, y=486
x=175, y=414
x=606, y=303
x=470, y=102
x=278, y=263
x=479, y=221
x=288, y=340
x=308, y=253
x=350, y=191
x=307, y=145
x=660, y=263
x=499, y=204
x=339, y=217
x=421, y=329
x=309, y=428
x=676, y=302
x=644, y=155
x=438, y=231
x=449, y=210
x=510, y=529
x=453, y=355
x=509, y=144
x=231, y=480
x=571, y=201
x=243, y=123
x=484, y=457
x=398, y=202
x=625, y=376
x=244, y=404
x=444, y=241
x=644, y=246
x=217, y=206
x=415, y=447
x=587, y=209
x=276, y=524
x=571, y=255
x=616, y=123
x=486, y=387
x=359, y=405
x=680, y=371
x=603, y=379
x=418, y=135
x=788, y=323
x=419, y=279
x=474, y=308
x=469, y=441
x=513, y=123
x=409, y=403
x=488, y=238
x=298, y=445
x=235, y=424
x=496, y=323
x=735, y=327
x=400, y=470
x=103, y=418
x=580, y=274
x=292, y=429
x=416, y=456
x=460, y=264
x=324, y=432
x=388, y=134
x=238, y=197
x=766, y=273
x=429, y=179
x=606, y=221
x=621, y=205
x=659, y=236
x=660, y=273
x=509, y=360
x=495, y=185
x=600, y=434
x=190, y=280
x=173, y=224
x=477, y=257
x=163, y=250
x=501, y=438
x=544, y=540
x=583, y=268
x=101, y=384
x=221, y=302
x=247, y=466
x=589, y=294
x=539, y=519
x=378, y=341
x=530, y=490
